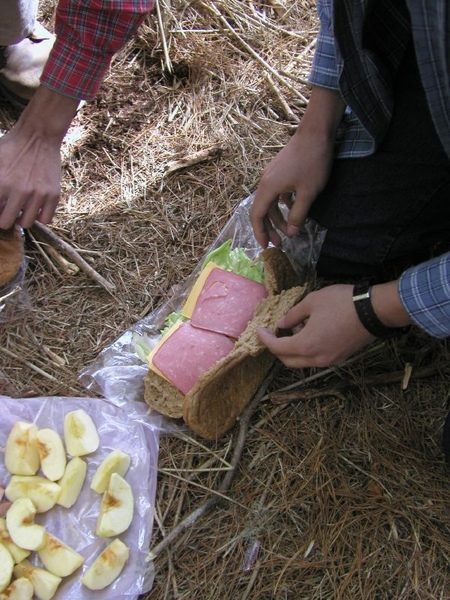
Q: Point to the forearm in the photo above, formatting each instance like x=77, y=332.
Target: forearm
x=48, y=115
x=323, y=115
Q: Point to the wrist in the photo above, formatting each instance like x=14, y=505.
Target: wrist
x=323, y=114
x=380, y=309
x=48, y=113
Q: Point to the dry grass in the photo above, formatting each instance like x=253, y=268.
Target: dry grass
x=343, y=496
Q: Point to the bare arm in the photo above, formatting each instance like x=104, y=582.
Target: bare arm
x=301, y=167
x=30, y=162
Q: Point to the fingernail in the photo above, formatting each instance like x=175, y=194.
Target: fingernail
x=292, y=230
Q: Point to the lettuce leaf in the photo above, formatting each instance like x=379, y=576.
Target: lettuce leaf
x=236, y=261
x=172, y=320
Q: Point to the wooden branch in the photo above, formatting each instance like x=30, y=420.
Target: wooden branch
x=45, y=234
x=193, y=159
x=284, y=105
x=226, y=482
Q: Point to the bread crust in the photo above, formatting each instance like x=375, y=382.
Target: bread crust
x=211, y=408
x=11, y=254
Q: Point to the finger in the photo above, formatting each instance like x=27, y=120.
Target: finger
x=277, y=218
x=30, y=212
x=282, y=347
x=258, y=212
x=297, y=215
x=272, y=234
x=9, y=214
x=48, y=210
x=295, y=317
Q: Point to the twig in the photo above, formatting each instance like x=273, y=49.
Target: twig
x=284, y=105
x=212, y=8
x=333, y=388
x=225, y=484
x=44, y=233
x=51, y=253
x=163, y=37
x=193, y=159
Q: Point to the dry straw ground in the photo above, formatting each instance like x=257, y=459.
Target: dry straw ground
x=342, y=494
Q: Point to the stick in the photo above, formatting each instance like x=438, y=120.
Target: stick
x=44, y=233
x=284, y=105
x=225, y=485
x=333, y=388
x=193, y=159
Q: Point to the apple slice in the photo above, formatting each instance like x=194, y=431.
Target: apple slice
x=21, y=449
x=51, y=453
x=117, y=507
x=17, y=553
x=59, y=558
x=21, y=527
x=19, y=589
x=44, y=583
x=107, y=566
x=6, y=567
x=72, y=482
x=80, y=433
x=42, y=492
x=116, y=462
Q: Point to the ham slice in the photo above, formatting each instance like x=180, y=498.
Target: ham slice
x=227, y=302
x=189, y=352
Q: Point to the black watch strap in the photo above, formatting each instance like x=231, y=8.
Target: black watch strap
x=363, y=305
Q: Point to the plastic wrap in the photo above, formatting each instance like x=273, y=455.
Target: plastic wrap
x=118, y=372
x=129, y=429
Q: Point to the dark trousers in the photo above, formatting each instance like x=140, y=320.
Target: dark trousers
x=390, y=210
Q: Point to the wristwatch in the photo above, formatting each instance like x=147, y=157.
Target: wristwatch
x=363, y=305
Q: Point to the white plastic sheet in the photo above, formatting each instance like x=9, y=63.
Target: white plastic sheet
x=128, y=428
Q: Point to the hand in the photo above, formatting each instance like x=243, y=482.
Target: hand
x=302, y=167
x=327, y=330
x=30, y=160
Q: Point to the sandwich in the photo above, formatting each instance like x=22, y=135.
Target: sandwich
x=11, y=254
x=209, y=361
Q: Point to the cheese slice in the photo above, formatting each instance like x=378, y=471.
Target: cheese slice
x=187, y=352
x=191, y=301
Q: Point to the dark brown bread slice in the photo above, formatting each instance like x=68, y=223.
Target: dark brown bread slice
x=162, y=396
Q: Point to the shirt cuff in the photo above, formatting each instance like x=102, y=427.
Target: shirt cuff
x=425, y=294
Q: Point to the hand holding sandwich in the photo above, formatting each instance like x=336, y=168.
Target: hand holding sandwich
x=327, y=329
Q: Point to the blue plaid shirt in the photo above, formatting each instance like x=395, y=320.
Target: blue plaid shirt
x=424, y=289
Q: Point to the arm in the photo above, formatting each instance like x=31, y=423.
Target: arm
x=302, y=167
x=30, y=163
x=89, y=32
x=304, y=164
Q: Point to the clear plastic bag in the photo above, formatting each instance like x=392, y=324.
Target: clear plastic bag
x=129, y=429
x=118, y=372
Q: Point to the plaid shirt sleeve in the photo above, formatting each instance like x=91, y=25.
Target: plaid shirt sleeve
x=324, y=70
x=88, y=34
x=425, y=294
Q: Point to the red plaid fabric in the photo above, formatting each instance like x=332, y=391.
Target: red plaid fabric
x=88, y=34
